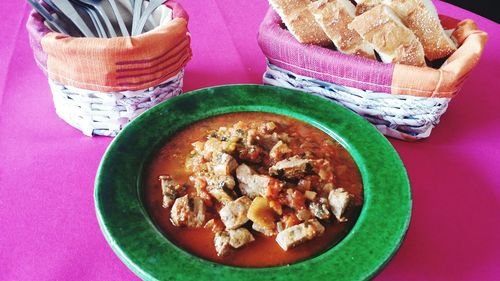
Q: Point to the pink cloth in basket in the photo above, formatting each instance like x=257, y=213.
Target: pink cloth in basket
x=283, y=50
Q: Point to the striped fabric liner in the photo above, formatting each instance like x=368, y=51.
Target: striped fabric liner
x=115, y=64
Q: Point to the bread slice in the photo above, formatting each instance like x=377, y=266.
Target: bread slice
x=392, y=40
x=300, y=22
x=463, y=29
x=365, y=5
x=334, y=16
x=421, y=17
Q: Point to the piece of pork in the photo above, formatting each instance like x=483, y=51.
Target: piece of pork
x=267, y=231
x=213, y=146
x=222, y=243
x=169, y=190
x=188, y=211
x=221, y=187
x=240, y=237
x=234, y=214
x=297, y=234
x=250, y=183
x=223, y=164
x=320, y=209
x=291, y=168
x=339, y=200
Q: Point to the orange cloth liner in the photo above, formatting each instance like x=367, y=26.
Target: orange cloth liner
x=446, y=81
x=121, y=63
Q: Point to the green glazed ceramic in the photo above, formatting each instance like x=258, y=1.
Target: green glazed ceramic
x=376, y=236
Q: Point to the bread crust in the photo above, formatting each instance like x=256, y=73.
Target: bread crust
x=333, y=16
x=424, y=22
x=300, y=22
x=365, y=5
x=463, y=30
x=389, y=36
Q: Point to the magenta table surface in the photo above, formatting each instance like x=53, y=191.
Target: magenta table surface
x=48, y=226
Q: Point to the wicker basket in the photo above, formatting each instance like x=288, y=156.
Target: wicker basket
x=105, y=114
x=99, y=85
x=398, y=116
x=403, y=102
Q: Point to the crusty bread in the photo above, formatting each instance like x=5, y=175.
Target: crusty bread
x=421, y=17
x=334, y=16
x=365, y=5
x=463, y=29
x=300, y=22
x=392, y=40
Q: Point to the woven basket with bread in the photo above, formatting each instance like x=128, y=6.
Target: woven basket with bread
x=394, y=62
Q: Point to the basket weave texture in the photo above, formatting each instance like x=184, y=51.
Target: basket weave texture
x=398, y=116
x=106, y=113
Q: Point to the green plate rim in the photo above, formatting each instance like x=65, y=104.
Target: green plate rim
x=376, y=236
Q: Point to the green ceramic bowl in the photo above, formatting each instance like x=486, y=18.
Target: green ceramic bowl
x=130, y=232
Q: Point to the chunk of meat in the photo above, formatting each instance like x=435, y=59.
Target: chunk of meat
x=221, y=242
x=234, y=214
x=291, y=168
x=300, y=233
x=240, y=237
x=221, y=187
x=196, y=163
x=220, y=181
x=213, y=146
x=339, y=200
x=223, y=164
x=279, y=151
x=266, y=230
x=169, y=190
x=188, y=211
x=250, y=183
x=320, y=209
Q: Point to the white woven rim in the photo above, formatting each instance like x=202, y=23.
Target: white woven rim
x=105, y=114
x=399, y=116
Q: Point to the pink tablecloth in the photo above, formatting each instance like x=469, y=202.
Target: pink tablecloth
x=48, y=227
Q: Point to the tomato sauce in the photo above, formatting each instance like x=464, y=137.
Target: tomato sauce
x=264, y=251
